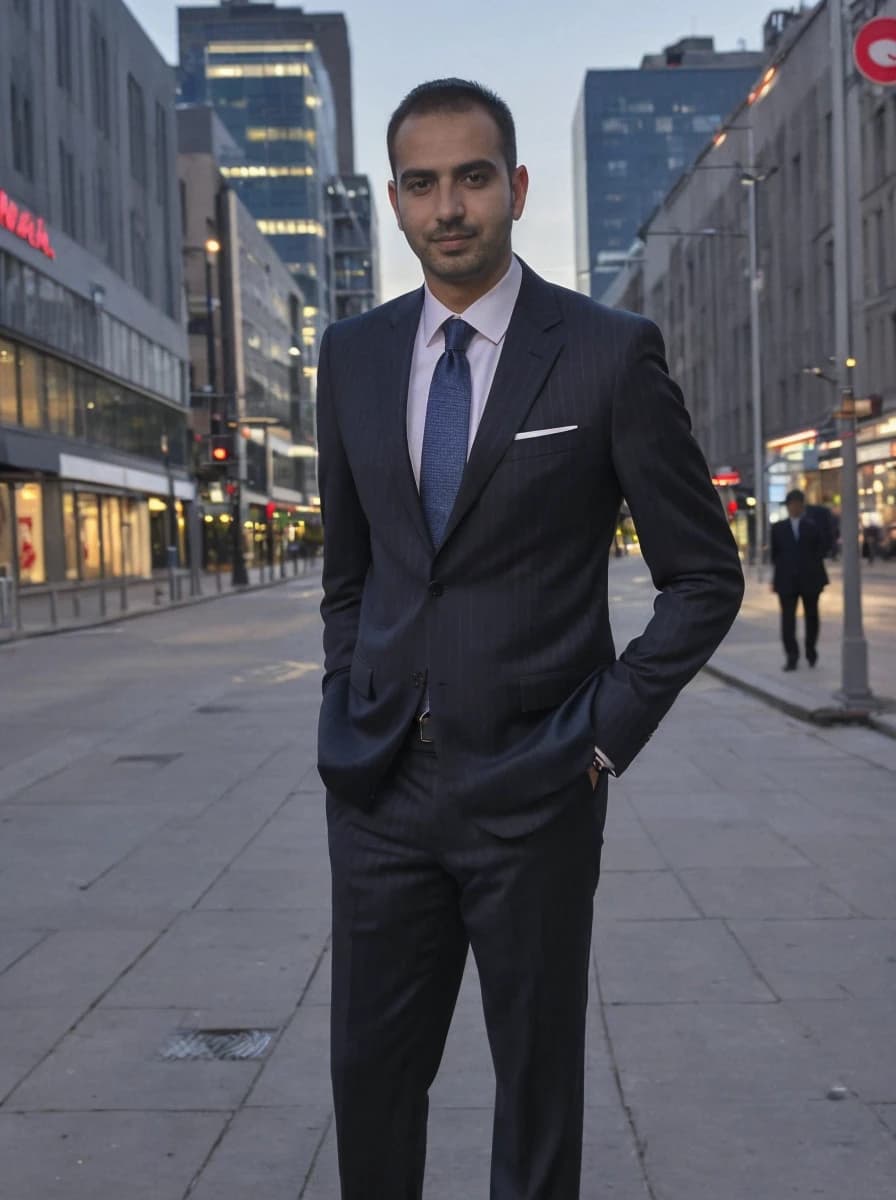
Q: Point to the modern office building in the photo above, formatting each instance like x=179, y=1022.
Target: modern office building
x=354, y=239
x=280, y=80
x=634, y=132
x=92, y=344
x=696, y=286
x=247, y=362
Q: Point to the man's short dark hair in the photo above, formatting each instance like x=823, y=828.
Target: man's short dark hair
x=796, y=494
x=454, y=95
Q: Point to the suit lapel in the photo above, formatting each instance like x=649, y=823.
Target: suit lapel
x=533, y=341
x=404, y=319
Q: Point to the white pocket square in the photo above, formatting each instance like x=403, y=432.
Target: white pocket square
x=531, y=433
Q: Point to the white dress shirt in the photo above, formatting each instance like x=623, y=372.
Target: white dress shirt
x=489, y=315
x=795, y=526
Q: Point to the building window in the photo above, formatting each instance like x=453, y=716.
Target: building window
x=137, y=130
x=139, y=255
x=664, y=125
x=617, y=167
x=67, y=190
x=64, y=44
x=161, y=155
x=30, y=532
x=9, y=399
x=99, y=70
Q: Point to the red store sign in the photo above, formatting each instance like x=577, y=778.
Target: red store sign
x=25, y=225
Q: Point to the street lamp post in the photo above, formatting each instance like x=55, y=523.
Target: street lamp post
x=760, y=518
x=171, y=553
x=855, y=692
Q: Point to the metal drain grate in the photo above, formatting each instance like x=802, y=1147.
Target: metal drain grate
x=223, y=1045
x=148, y=760
x=211, y=710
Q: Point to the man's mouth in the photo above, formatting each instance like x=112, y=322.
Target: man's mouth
x=452, y=240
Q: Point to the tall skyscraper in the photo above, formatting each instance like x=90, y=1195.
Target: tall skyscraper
x=634, y=133
x=280, y=80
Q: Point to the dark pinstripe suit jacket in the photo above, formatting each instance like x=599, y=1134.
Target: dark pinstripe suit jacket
x=509, y=615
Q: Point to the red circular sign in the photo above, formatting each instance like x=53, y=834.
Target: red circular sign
x=874, y=50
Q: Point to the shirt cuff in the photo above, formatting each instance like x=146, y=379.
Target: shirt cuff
x=601, y=759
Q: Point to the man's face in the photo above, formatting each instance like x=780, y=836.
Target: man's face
x=453, y=196
x=796, y=508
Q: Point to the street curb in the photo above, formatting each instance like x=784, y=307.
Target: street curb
x=190, y=601
x=823, y=716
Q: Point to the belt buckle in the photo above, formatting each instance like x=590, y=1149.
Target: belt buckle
x=423, y=722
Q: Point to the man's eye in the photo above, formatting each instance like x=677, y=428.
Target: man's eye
x=476, y=178
x=418, y=185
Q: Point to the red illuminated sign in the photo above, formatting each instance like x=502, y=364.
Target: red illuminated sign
x=726, y=477
x=25, y=225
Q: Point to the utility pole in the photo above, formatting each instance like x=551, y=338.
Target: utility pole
x=855, y=692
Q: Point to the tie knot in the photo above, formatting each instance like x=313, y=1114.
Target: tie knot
x=458, y=334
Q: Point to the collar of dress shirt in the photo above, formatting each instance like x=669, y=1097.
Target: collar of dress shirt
x=489, y=315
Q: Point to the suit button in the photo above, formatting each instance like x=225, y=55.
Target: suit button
x=418, y=679
x=436, y=589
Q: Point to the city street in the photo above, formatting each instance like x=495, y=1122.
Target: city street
x=163, y=869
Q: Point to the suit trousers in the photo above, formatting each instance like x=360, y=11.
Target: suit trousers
x=788, y=623
x=415, y=884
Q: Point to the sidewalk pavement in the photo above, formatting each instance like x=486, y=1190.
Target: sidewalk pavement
x=163, y=867
x=752, y=655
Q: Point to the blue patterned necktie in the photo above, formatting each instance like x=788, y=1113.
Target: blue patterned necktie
x=447, y=429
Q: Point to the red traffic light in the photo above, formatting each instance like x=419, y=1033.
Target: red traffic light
x=220, y=448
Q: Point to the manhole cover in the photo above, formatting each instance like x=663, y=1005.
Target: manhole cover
x=214, y=709
x=148, y=760
x=229, y=1045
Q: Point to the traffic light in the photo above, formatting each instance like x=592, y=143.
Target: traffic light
x=220, y=449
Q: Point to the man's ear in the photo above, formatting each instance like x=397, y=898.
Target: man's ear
x=393, y=200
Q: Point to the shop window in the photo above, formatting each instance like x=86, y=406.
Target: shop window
x=60, y=397
x=89, y=535
x=112, y=557
x=70, y=535
x=30, y=533
x=31, y=383
x=9, y=405
x=135, y=538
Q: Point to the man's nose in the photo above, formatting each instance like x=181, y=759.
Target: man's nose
x=450, y=205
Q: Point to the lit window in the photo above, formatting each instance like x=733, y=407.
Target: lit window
x=313, y=101
x=266, y=70
x=280, y=133
x=302, y=225
x=265, y=172
x=260, y=47
x=309, y=312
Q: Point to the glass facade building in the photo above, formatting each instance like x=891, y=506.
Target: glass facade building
x=634, y=133
x=262, y=70
x=92, y=346
x=356, y=283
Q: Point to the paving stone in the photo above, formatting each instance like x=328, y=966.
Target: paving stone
x=95, y=1156
x=765, y=893
x=26, y=1036
x=805, y=1148
x=649, y=962
x=209, y=958
x=643, y=895
x=709, y=1053
x=70, y=970
x=690, y=842
x=298, y=1071
x=112, y=1060
x=823, y=960
x=266, y=1153
x=857, y=1037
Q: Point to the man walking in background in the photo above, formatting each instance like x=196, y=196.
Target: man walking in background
x=477, y=438
x=798, y=559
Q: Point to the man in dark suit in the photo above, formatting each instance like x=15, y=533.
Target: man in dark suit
x=798, y=548
x=477, y=438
